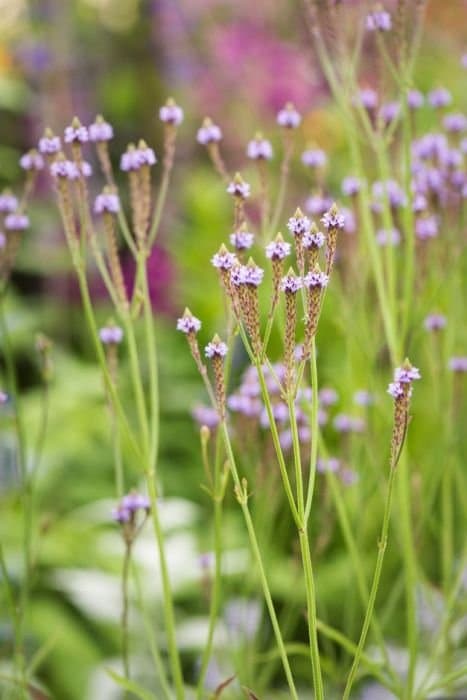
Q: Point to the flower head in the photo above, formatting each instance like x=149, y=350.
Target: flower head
x=16, y=222
x=216, y=348
x=291, y=284
x=415, y=99
x=406, y=374
x=314, y=158
x=388, y=237
x=313, y=238
x=455, y=122
x=350, y=186
x=368, y=98
x=439, y=97
x=242, y=239
x=426, y=227
x=208, y=133
x=249, y=274
x=458, y=364
x=362, y=397
x=378, y=20
x=288, y=117
x=63, y=168
x=100, y=131
x=299, y=224
x=238, y=187
x=107, y=201
x=32, y=161
x=277, y=249
x=171, y=113
x=332, y=219
x=76, y=132
x=8, y=202
x=259, y=148
x=111, y=334
x=328, y=396
x=49, y=144
x=435, y=322
x=188, y=323
x=316, y=279
x=389, y=111
x=136, y=158
x=224, y=259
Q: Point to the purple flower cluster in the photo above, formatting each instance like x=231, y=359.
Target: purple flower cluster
x=49, y=144
x=136, y=158
x=277, y=250
x=129, y=507
x=403, y=377
x=415, y=99
x=208, y=133
x=188, y=323
x=439, y=97
x=216, y=348
x=313, y=239
x=378, y=20
x=288, y=117
x=458, y=364
x=351, y=186
x=224, y=259
x=111, y=335
x=333, y=219
x=8, y=203
x=239, y=188
x=426, y=227
x=32, y=161
x=291, y=284
x=242, y=239
x=314, y=158
x=435, y=322
x=250, y=274
x=391, y=190
x=368, y=98
x=316, y=279
x=76, y=133
x=16, y=222
x=69, y=170
x=171, y=113
x=107, y=202
x=101, y=131
x=299, y=224
x=318, y=204
x=344, y=423
x=259, y=149
x=385, y=237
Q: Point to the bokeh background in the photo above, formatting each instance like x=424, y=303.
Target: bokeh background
x=239, y=63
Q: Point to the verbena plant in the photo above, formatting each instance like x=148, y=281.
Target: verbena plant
x=267, y=440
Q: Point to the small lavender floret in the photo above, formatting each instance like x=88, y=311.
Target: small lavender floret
x=316, y=279
x=368, y=98
x=331, y=464
x=16, y=222
x=121, y=515
x=388, y=237
x=8, y=203
x=76, y=133
x=348, y=424
x=435, y=322
x=389, y=111
x=350, y=223
x=64, y=168
x=206, y=415
x=318, y=204
x=216, y=348
x=378, y=20
x=100, y=131
x=242, y=239
x=406, y=375
x=32, y=161
x=314, y=158
x=415, y=99
x=171, y=113
x=111, y=335
x=277, y=250
x=290, y=284
x=426, y=227
x=351, y=186
x=439, y=97
x=224, y=259
x=135, y=158
x=107, y=202
x=458, y=364
x=390, y=189
x=328, y=396
x=135, y=501
x=419, y=203
x=249, y=274
x=455, y=122
x=362, y=397
x=288, y=117
x=259, y=149
x=239, y=188
x=333, y=219
x=299, y=224
x=188, y=323
x=49, y=144
x=313, y=239
x=395, y=390
x=209, y=133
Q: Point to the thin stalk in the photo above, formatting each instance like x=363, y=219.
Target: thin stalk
x=314, y=431
x=124, y=616
x=243, y=500
x=311, y=614
x=382, y=544
x=152, y=365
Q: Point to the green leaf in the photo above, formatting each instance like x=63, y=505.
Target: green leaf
x=130, y=685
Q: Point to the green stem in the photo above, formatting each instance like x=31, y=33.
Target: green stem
x=311, y=614
x=124, y=618
x=314, y=431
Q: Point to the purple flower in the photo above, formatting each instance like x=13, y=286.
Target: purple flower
x=314, y=158
x=328, y=396
x=208, y=133
x=206, y=415
x=246, y=405
x=368, y=98
x=313, y=239
x=385, y=237
x=379, y=20
x=455, y=122
x=333, y=219
x=288, y=117
x=76, y=133
x=350, y=224
x=318, y=204
x=348, y=424
x=435, y=322
x=362, y=397
x=107, y=202
x=49, y=144
x=290, y=284
x=390, y=189
x=389, y=111
x=415, y=99
x=216, y=348
x=299, y=224
x=351, y=186
x=3, y=398
x=316, y=279
x=426, y=227
x=419, y=203
x=439, y=97
x=395, y=390
x=224, y=259
x=277, y=250
x=188, y=323
x=111, y=335
x=85, y=168
x=171, y=113
x=100, y=131
x=64, y=168
x=136, y=158
x=8, y=202
x=458, y=364
x=135, y=501
x=259, y=149
x=121, y=515
x=242, y=240
x=249, y=274
x=348, y=477
x=32, y=161
x=16, y=222
x=331, y=464
x=239, y=188
x=406, y=375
